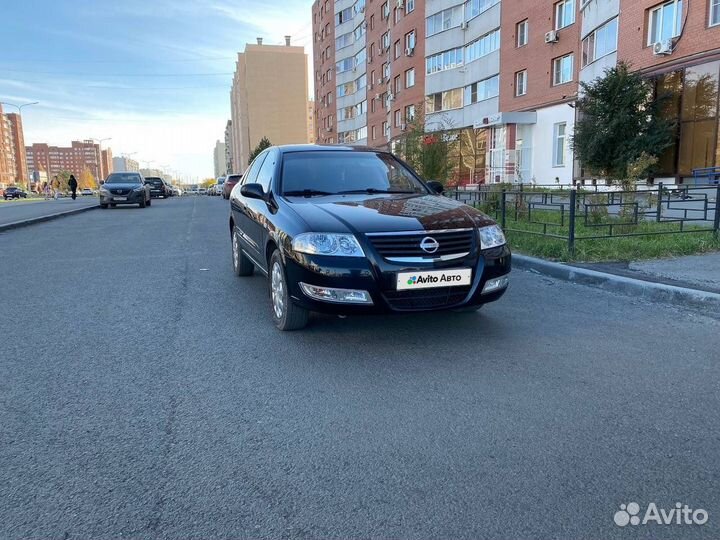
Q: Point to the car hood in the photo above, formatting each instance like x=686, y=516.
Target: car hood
x=121, y=186
x=386, y=213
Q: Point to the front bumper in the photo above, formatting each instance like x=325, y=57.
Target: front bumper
x=379, y=278
x=134, y=197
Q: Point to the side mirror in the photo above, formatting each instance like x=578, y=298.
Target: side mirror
x=436, y=186
x=102, y=182
x=252, y=191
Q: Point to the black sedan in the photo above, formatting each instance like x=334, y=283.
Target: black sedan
x=14, y=193
x=157, y=186
x=125, y=188
x=354, y=231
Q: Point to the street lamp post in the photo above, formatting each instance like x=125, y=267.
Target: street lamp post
x=99, y=165
x=20, y=107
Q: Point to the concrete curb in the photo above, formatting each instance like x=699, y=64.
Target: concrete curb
x=49, y=217
x=648, y=290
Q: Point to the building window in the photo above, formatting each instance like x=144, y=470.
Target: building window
x=385, y=129
x=564, y=14
x=385, y=10
x=665, y=22
x=373, y=131
x=444, y=20
x=482, y=46
x=601, y=42
x=714, y=12
x=409, y=113
x=398, y=118
x=410, y=41
x=386, y=40
x=444, y=101
x=396, y=15
x=396, y=84
x=473, y=8
x=563, y=69
x=409, y=6
x=343, y=16
x=344, y=41
x=372, y=22
x=522, y=33
x=482, y=90
x=410, y=78
x=521, y=83
x=398, y=51
x=444, y=60
x=559, y=144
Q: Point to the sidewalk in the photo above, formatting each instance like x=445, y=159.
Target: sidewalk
x=19, y=213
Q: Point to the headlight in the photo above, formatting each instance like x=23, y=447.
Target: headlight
x=491, y=236
x=104, y=191
x=342, y=245
x=141, y=188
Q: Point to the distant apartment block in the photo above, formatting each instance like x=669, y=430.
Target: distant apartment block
x=499, y=79
x=80, y=155
x=125, y=164
x=268, y=98
x=219, y=159
x=311, y=121
x=229, y=163
x=13, y=164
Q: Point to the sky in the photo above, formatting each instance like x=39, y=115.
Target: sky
x=154, y=75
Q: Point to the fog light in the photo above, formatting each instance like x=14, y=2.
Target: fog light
x=339, y=296
x=495, y=284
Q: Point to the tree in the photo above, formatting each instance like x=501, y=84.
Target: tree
x=427, y=153
x=86, y=180
x=208, y=182
x=262, y=145
x=620, y=126
x=62, y=181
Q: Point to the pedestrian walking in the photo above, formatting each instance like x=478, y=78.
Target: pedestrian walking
x=73, y=186
x=46, y=190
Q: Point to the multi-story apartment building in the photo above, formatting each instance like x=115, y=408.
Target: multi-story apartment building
x=396, y=48
x=125, y=164
x=13, y=164
x=311, y=121
x=107, y=161
x=219, y=159
x=500, y=79
x=229, y=148
x=268, y=98
x=75, y=159
x=324, y=20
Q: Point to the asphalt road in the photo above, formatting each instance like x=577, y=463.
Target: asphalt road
x=144, y=393
x=19, y=210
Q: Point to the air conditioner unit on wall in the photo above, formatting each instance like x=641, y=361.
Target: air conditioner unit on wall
x=409, y=51
x=400, y=4
x=552, y=36
x=663, y=48
x=464, y=25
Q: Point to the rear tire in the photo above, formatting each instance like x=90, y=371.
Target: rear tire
x=286, y=315
x=242, y=266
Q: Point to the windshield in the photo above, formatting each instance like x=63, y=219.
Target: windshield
x=234, y=178
x=121, y=178
x=332, y=172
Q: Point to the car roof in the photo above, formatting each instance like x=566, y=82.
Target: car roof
x=292, y=148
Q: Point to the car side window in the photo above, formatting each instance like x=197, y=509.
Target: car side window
x=251, y=173
x=265, y=175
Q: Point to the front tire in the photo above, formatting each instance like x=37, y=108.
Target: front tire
x=143, y=203
x=242, y=266
x=286, y=315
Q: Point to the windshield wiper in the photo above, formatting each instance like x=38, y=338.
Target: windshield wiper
x=306, y=193
x=372, y=191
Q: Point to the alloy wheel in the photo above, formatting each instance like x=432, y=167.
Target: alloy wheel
x=277, y=287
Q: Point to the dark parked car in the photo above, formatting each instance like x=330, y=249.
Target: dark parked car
x=229, y=184
x=14, y=193
x=125, y=188
x=157, y=187
x=353, y=231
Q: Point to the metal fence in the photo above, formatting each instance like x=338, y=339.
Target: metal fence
x=576, y=215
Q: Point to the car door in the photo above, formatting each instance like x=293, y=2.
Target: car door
x=257, y=210
x=240, y=209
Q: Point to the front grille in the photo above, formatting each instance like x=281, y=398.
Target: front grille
x=451, y=242
x=426, y=298
x=119, y=191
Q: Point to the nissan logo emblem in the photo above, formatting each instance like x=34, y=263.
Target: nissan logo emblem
x=429, y=245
